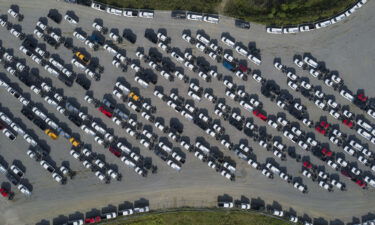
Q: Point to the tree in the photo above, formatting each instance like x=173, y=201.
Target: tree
x=284, y=7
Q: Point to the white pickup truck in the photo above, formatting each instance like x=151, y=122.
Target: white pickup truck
x=225, y=204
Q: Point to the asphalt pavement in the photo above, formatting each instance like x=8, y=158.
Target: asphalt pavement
x=346, y=47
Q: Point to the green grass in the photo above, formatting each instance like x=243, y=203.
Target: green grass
x=284, y=12
x=276, y=12
x=200, y=218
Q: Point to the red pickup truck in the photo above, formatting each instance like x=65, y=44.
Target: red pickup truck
x=7, y=194
x=260, y=115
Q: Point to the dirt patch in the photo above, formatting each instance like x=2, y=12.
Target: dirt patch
x=221, y=7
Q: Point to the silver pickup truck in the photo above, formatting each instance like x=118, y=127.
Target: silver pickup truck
x=3, y=169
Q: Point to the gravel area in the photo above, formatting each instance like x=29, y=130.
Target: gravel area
x=346, y=47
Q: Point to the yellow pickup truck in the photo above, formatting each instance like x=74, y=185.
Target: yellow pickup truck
x=133, y=96
x=51, y=134
x=82, y=58
x=74, y=142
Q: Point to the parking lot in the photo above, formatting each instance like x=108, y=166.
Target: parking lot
x=344, y=47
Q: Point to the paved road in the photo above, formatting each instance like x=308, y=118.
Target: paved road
x=346, y=47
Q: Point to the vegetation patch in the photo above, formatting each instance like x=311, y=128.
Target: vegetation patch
x=200, y=218
x=285, y=12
